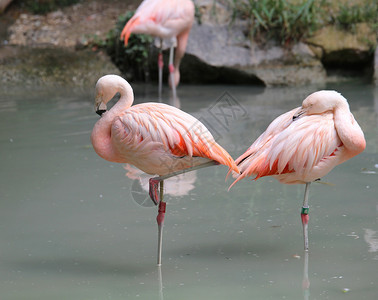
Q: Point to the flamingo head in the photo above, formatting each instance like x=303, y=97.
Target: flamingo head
x=106, y=88
x=320, y=102
x=100, y=106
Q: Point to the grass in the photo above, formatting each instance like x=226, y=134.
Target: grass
x=351, y=14
x=290, y=21
x=279, y=20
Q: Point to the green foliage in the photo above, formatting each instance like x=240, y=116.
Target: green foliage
x=94, y=41
x=133, y=58
x=198, y=14
x=290, y=21
x=45, y=6
x=349, y=15
x=279, y=19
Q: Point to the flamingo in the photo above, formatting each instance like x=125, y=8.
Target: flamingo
x=154, y=137
x=304, y=144
x=168, y=20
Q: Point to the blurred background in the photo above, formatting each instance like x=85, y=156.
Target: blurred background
x=74, y=226
x=244, y=42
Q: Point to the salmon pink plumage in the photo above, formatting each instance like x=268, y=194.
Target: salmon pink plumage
x=304, y=144
x=154, y=137
x=169, y=20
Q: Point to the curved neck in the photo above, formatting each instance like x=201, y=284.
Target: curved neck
x=101, y=135
x=349, y=131
x=125, y=101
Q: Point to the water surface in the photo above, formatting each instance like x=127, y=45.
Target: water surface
x=73, y=226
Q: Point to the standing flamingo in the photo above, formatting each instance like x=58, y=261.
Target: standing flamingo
x=154, y=137
x=168, y=20
x=305, y=144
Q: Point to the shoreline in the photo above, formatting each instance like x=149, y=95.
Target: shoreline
x=70, y=32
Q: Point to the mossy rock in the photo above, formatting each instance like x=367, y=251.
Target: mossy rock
x=52, y=66
x=337, y=47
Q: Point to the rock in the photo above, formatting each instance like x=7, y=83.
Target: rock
x=223, y=54
x=336, y=47
x=213, y=12
x=40, y=49
x=218, y=49
x=52, y=66
x=66, y=26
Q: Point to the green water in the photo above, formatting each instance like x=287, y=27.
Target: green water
x=73, y=226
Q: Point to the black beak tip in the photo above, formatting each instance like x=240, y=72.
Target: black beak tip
x=100, y=111
x=296, y=116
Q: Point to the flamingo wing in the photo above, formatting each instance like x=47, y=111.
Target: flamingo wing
x=164, y=18
x=155, y=126
x=289, y=146
x=304, y=144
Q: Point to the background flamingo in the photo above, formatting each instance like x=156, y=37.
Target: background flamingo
x=168, y=20
x=305, y=144
x=155, y=137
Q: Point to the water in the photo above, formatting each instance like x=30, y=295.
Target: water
x=73, y=226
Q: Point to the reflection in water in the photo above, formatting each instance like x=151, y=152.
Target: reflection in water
x=8, y=106
x=66, y=229
x=176, y=186
x=306, y=280
x=160, y=281
x=175, y=102
x=372, y=240
x=375, y=93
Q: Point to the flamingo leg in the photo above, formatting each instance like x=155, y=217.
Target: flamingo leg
x=172, y=72
x=154, y=182
x=160, y=66
x=157, y=197
x=160, y=279
x=305, y=216
x=306, y=280
x=160, y=222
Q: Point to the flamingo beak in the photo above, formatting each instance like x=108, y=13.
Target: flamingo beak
x=300, y=112
x=100, y=108
x=100, y=111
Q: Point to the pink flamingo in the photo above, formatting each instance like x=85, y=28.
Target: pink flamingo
x=168, y=20
x=154, y=137
x=305, y=144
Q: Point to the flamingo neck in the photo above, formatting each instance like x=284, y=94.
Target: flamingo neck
x=101, y=136
x=349, y=131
